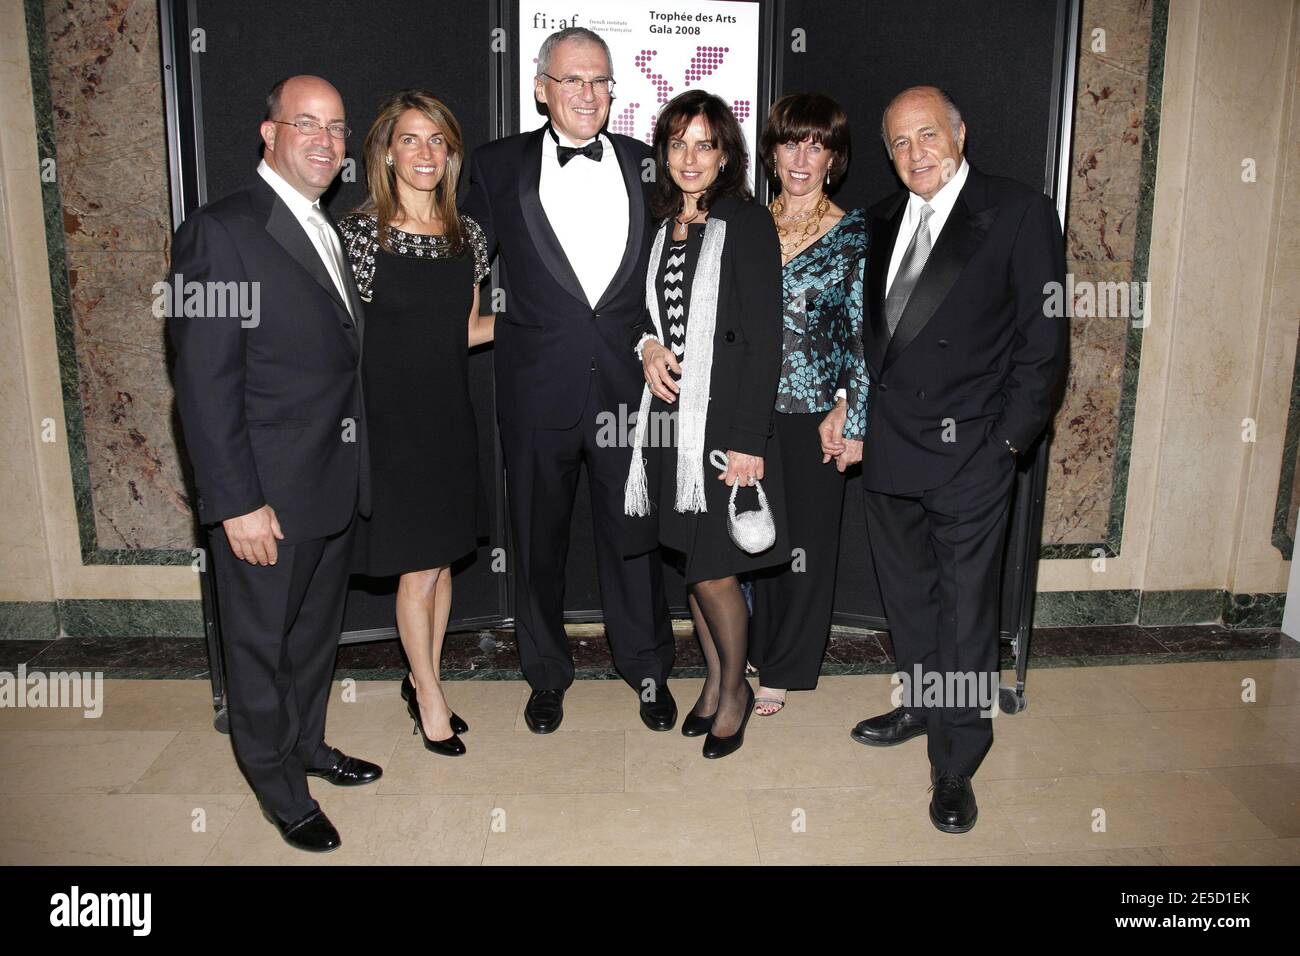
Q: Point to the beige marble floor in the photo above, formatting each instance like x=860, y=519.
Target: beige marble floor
x=1137, y=764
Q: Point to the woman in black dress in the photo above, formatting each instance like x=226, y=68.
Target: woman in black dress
x=710, y=348
x=418, y=264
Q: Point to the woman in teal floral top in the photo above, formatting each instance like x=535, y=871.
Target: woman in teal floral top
x=821, y=399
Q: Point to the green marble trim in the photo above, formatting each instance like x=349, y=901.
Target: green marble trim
x=1078, y=608
x=1181, y=607
x=1253, y=610
x=1286, y=480
x=64, y=321
x=1141, y=261
x=28, y=620
x=131, y=618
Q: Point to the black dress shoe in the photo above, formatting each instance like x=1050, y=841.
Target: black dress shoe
x=695, y=726
x=544, y=711
x=952, y=808
x=715, y=747
x=452, y=746
x=888, y=729
x=458, y=726
x=348, y=771
x=312, y=832
x=660, y=715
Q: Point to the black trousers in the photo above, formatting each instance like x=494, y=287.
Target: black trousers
x=938, y=557
x=793, y=602
x=280, y=629
x=541, y=482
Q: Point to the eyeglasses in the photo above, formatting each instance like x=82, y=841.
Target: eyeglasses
x=311, y=128
x=601, y=85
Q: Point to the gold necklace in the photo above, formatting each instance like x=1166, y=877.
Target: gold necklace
x=789, y=238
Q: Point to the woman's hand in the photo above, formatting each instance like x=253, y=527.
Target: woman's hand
x=742, y=468
x=659, y=364
x=831, y=431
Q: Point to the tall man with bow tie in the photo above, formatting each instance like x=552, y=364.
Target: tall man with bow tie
x=566, y=208
x=965, y=364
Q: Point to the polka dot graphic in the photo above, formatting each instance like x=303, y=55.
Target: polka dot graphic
x=705, y=61
x=657, y=80
x=625, y=122
x=741, y=110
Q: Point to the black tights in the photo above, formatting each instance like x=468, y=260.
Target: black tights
x=722, y=625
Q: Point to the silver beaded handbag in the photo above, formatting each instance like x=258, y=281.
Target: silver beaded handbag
x=752, y=531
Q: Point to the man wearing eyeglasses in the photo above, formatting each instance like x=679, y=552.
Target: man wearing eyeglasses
x=271, y=409
x=566, y=208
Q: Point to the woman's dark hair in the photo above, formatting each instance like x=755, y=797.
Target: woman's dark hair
x=727, y=137
x=800, y=116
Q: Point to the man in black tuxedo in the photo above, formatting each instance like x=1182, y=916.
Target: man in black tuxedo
x=965, y=364
x=566, y=207
x=271, y=408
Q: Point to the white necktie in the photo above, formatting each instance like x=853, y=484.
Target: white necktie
x=333, y=254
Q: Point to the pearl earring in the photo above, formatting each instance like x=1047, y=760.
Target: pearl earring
x=388, y=160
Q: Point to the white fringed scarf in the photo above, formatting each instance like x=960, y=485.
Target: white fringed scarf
x=697, y=370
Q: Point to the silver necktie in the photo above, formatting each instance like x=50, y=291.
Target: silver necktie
x=909, y=270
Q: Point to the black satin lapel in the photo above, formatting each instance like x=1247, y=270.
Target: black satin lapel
x=884, y=232
x=288, y=232
x=349, y=282
x=636, y=226
x=539, y=227
x=961, y=236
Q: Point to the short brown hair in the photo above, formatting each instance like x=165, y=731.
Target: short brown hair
x=726, y=136
x=800, y=116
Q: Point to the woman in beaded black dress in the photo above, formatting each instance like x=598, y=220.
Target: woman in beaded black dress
x=418, y=264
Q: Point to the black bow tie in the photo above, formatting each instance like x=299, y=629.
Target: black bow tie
x=593, y=151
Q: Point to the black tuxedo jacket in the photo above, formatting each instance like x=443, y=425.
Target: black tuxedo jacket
x=263, y=407
x=974, y=357
x=549, y=335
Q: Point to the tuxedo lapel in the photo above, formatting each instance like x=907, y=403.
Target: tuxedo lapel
x=962, y=234
x=539, y=227
x=288, y=232
x=884, y=232
x=349, y=282
x=636, y=221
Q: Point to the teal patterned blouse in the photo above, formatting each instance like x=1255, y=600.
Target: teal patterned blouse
x=823, y=325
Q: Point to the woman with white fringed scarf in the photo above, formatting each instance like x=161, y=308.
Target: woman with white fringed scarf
x=710, y=345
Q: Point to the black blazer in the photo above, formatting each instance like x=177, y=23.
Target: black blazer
x=549, y=336
x=973, y=345
x=263, y=408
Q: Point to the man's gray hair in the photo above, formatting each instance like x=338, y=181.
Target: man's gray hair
x=954, y=114
x=572, y=33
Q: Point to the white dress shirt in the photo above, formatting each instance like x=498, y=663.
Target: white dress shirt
x=942, y=203
x=302, y=207
x=588, y=207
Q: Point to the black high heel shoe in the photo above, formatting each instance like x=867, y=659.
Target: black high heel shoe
x=722, y=746
x=458, y=726
x=695, y=726
x=453, y=746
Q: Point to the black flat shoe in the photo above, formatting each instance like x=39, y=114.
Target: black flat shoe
x=544, y=711
x=662, y=714
x=888, y=729
x=695, y=726
x=458, y=726
x=715, y=747
x=348, y=771
x=453, y=746
x=313, y=832
x=952, y=808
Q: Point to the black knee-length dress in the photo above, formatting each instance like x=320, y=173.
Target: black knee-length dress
x=427, y=501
